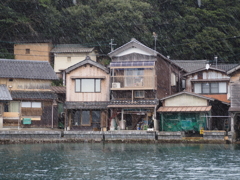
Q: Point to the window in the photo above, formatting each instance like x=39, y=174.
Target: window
x=133, y=77
x=173, y=79
x=83, y=118
x=210, y=88
x=139, y=94
x=31, y=108
x=31, y=105
x=88, y=85
x=27, y=51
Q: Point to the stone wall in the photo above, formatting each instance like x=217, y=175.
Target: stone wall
x=214, y=135
x=4, y=135
x=128, y=135
x=165, y=135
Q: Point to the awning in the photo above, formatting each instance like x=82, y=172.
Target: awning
x=185, y=109
x=132, y=64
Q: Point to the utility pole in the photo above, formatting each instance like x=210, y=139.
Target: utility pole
x=111, y=43
x=155, y=39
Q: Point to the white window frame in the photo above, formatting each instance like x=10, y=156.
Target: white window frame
x=80, y=87
x=28, y=104
x=221, y=88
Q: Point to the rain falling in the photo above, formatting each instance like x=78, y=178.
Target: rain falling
x=119, y=89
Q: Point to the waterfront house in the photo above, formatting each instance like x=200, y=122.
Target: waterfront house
x=66, y=55
x=87, y=96
x=234, y=110
x=202, y=80
x=190, y=112
x=210, y=82
x=29, y=83
x=140, y=76
x=34, y=51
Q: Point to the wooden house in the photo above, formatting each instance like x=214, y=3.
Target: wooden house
x=140, y=76
x=29, y=83
x=234, y=110
x=210, y=82
x=87, y=96
x=33, y=51
x=66, y=55
x=191, y=112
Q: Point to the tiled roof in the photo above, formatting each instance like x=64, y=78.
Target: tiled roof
x=185, y=109
x=225, y=67
x=26, y=69
x=188, y=93
x=4, y=93
x=190, y=65
x=86, y=105
x=130, y=43
x=64, y=48
x=33, y=95
x=87, y=61
x=193, y=65
x=58, y=89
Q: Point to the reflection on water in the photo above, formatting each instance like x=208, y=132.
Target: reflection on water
x=119, y=161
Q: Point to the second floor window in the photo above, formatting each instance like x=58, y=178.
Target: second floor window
x=27, y=51
x=87, y=85
x=210, y=87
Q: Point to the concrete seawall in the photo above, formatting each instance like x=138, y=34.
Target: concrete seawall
x=50, y=135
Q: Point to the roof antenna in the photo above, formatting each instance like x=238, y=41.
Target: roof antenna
x=111, y=43
x=155, y=39
x=216, y=59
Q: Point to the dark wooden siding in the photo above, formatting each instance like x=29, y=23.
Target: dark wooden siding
x=235, y=95
x=46, y=118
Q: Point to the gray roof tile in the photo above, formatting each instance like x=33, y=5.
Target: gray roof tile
x=26, y=69
x=193, y=65
x=4, y=93
x=64, y=48
x=190, y=65
x=87, y=60
x=33, y=95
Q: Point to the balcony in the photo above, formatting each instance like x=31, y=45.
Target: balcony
x=133, y=82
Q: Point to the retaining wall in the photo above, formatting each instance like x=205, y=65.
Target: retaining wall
x=165, y=135
x=83, y=135
x=128, y=135
x=214, y=135
x=11, y=136
x=30, y=135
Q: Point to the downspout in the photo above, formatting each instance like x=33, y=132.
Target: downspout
x=155, y=121
x=64, y=77
x=52, y=113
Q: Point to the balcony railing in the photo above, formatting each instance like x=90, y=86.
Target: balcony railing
x=133, y=82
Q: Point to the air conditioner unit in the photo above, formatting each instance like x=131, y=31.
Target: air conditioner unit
x=115, y=85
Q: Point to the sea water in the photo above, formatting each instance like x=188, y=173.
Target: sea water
x=119, y=161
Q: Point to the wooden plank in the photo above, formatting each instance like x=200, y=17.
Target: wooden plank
x=10, y=114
